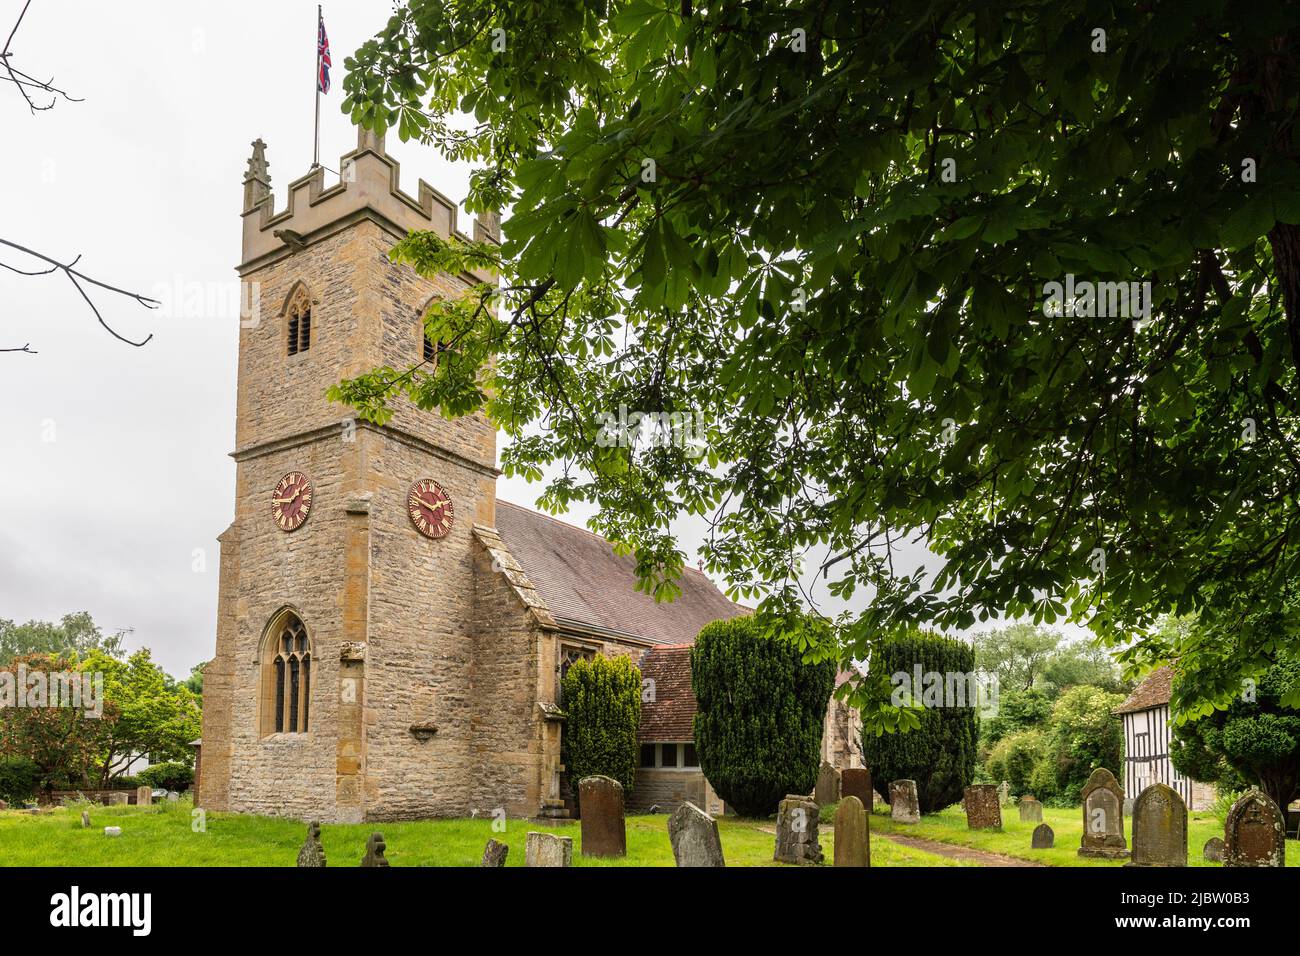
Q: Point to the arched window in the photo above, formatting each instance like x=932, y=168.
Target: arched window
x=286, y=695
x=298, y=313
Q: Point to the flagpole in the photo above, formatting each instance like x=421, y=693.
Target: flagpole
x=315, y=156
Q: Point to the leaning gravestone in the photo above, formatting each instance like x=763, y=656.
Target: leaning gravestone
x=694, y=836
x=1159, y=827
x=494, y=854
x=547, y=849
x=375, y=847
x=796, y=831
x=904, y=805
x=1031, y=810
x=856, y=782
x=827, y=791
x=1004, y=793
x=1255, y=832
x=983, y=812
x=603, y=830
x=852, y=834
x=312, y=853
x=143, y=796
x=1044, y=838
x=1103, y=817
x=1213, y=850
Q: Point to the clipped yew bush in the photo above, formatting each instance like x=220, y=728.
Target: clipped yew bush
x=758, y=728
x=602, y=706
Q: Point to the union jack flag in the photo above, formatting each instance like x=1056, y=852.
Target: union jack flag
x=323, y=63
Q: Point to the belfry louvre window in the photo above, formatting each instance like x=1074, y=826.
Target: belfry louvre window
x=287, y=695
x=299, y=315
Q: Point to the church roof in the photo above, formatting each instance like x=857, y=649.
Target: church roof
x=667, y=714
x=587, y=586
x=1155, y=691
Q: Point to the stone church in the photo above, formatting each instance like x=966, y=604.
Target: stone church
x=390, y=636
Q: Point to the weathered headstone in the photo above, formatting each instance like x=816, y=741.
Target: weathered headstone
x=797, y=841
x=1213, y=850
x=172, y=796
x=1044, y=838
x=852, y=834
x=547, y=849
x=1103, y=817
x=1031, y=810
x=375, y=847
x=603, y=830
x=494, y=854
x=1159, y=827
x=904, y=805
x=827, y=791
x=856, y=782
x=143, y=796
x=312, y=853
x=118, y=798
x=1255, y=832
x=1128, y=806
x=1004, y=793
x=112, y=831
x=694, y=836
x=983, y=811
x=85, y=819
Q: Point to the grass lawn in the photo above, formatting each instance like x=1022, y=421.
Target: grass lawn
x=161, y=835
x=949, y=826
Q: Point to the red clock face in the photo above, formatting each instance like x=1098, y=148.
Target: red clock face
x=430, y=508
x=291, y=502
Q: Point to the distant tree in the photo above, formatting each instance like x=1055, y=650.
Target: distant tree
x=73, y=636
x=194, y=683
x=62, y=743
x=602, y=706
x=1017, y=654
x=1017, y=710
x=1256, y=741
x=935, y=745
x=1083, y=733
x=1081, y=662
x=762, y=708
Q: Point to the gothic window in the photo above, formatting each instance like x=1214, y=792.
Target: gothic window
x=570, y=655
x=287, y=678
x=299, y=321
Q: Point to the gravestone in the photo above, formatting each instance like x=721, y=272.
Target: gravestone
x=547, y=849
x=1103, y=817
x=852, y=834
x=827, y=791
x=1213, y=850
x=1255, y=832
x=143, y=796
x=1159, y=827
x=1044, y=838
x=117, y=798
x=1031, y=810
x=3, y=805
x=1004, y=793
x=601, y=801
x=375, y=847
x=904, y=805
x=856, y=782
x=494, y=854
x=112, y=831
x=694, y=836
x=797, y=820
x=1128, y=806
x=312, y=853
x=983, y=812
x=85, y=819
x=172, y=796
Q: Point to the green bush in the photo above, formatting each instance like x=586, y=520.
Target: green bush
x=602, y=705
x=19, y=779
x=758, y=729
x=172, y=775
x=1014, y=759
x=1082, y=735
x=940, y=753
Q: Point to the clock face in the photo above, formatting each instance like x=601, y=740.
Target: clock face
x=291, y=502
x=430, y=508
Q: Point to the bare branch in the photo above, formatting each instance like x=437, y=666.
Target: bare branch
x=27, y=80
x=26, y=348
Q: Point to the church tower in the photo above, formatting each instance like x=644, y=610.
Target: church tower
x=342, y=686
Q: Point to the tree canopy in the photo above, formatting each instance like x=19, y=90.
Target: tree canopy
x=74, y=635
x=828, y=230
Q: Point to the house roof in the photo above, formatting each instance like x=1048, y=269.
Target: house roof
x=667, y=713
x=586, y=585
x=1155, y=691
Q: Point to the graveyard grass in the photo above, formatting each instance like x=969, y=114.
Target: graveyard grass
x=949, y=826
x=161, y=835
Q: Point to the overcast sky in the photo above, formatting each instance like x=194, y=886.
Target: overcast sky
x=115, y=476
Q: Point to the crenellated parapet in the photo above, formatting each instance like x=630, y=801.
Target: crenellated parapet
x=368, y=189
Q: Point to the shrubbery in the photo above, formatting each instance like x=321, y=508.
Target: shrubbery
x=19, y=779
x=1014, y=758
x=602, y=705
x=172, y=775
x=758, y=729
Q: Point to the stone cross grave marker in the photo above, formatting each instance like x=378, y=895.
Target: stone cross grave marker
x=1004, y=793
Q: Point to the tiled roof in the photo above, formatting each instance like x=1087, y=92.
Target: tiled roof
x=585, y=584
x=668, y=715
x=1152, y=692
